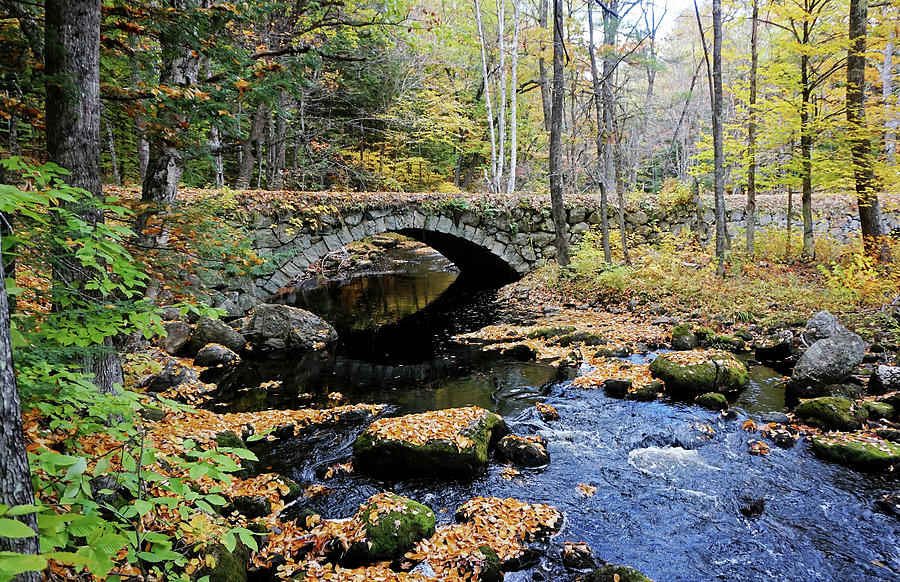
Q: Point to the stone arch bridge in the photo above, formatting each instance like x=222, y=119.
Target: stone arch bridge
x=495, y=238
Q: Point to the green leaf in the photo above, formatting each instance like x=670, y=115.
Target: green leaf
x=23, y=509
x=12, y=565
x=240, y=453
x=229, y=541
x=11, y=528
x=77, y=469
x=84, y=526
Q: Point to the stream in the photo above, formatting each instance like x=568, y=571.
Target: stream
x=671, y=478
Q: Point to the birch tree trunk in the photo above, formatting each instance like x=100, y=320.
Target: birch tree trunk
x=501, y=95
x=487, y=98
x=892, y=121
x=513, y=109
x=543, y=77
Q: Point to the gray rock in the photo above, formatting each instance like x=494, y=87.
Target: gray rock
x=172, y=374
x=821, y=326
x=271, y=327
x=214, y=331
x=523, y=452
x=828, y=361
x=178, y=333
x=215, y=355
x=884, y=379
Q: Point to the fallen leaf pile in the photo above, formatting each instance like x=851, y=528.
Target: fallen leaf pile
x=614, y=368
x=547, y=411
x=419, y=429
x=505, y=525
x=586, y=490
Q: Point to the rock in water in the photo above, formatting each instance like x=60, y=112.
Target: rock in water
x=215, y=355
x=271, y=327
x=712, y=401
x=828, y=361
x=451, y=441
x=683, y=338
x=173, y=374
x=393, y=525
x=857, y=449
x=616, y=573
x=690, y=374
x=523, y=452
x=884, y=379
x=214, y=331
x=832, y=413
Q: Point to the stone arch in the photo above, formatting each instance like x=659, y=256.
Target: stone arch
x=479, y=246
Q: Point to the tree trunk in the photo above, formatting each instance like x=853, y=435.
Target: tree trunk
x=280, y=153
x=861, y=146
x=180, y=68
x=751, y=135
x=543, y=77
x=250, y=145
x=610, y=138
x=501, y=94
x=718, y=146
x=513, y=98
x=72, y=65
x=114, y=164
x=892, y=122
x=557, y=204
x=806, y=139
x=15, y=476
x=601, y=169
x=493, y=179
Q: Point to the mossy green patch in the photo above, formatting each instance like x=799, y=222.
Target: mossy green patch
x=616, y=573
x=831, y=413
x=863, y=451
x=712, y=401
x=879, y=410
x=717, y=372
x=548, y=332
x=392, y=534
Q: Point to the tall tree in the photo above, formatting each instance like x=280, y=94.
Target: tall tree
x=863, y=172
x=72, y=63
x=602, y=177
x=179, y=70
x=718, y=145
x=557, y=204
x=751, y=132
x=15, y=477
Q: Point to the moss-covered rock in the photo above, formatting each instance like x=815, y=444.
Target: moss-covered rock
x=859, y=450
x=616, y=573
x=831, y=413
x=453, y=441
x=489, y=570
x=683, y=338
x=646, y=393
x=523, y=452
x=223, y=566
x=585, y=337
x=615, y=388
x=692, y=374
x=724, y=342
x=879, y=410
x=393, y=525
x=712, y=401
x=548, y=332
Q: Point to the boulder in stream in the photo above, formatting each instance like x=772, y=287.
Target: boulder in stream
x=832, y=413
x=828, y=361
x=524, y=451
x=215, y=355
x=271, y=327
x=615, y=573
x=683, y=338
x=712, y=401
x=393, y=524
x=451, y=441
x=173, y=374
x=857, y=449
x=214, y=331
x=690, y=374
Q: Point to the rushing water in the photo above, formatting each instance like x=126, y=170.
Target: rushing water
x=670, y=478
